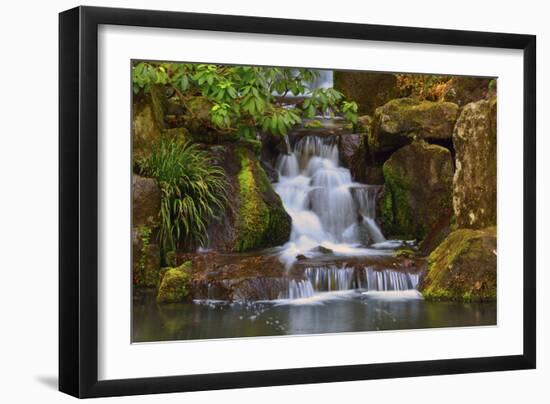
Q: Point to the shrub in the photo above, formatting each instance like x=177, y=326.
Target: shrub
x=244, y=99
x=423, y=86
x=193, y=192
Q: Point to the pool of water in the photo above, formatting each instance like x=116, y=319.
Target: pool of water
x=331, y=312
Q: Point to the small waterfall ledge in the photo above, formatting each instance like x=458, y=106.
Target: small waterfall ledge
x=334, y=279
x=307, y=283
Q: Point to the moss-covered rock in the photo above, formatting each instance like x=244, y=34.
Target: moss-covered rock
x=369, y=90
x=402, y=120
x=261, y=220
x=374, y=175
x=174, y=286
x=178, y=134
x=418, y=187
x=197, y=113
x=254, y=217
x=463, y=89
x=145, y=257
x=475, y=179
x=146, y=199
x=147, y=122
x=146, y=196
x=439, y=231
x=352, y=153
x=364, y=123
x=463, y=267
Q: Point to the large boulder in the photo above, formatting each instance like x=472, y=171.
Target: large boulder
x=261, y=220
x=146, y=197
x=253, y=276
x=147, y=122
x=418, y=188
x=174, y=286
x=145, y=257
x=463, y=89
x=254, y=217
x=402, y=120
x=369, y=90
x=439, y=231
x=352, y=153
x=463, y=267
x=475, y=179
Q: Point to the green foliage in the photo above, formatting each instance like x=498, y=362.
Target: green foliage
x=280, y=121
x=144, y=234
x=349, y=109
x=193, y=192
x=245, y=98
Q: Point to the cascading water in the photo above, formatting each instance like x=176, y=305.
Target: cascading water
x=331, y=214
x=324, y=80
x=333, y=279
x=327, y=208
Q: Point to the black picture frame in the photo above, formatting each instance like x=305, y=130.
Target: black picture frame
x=78, y=201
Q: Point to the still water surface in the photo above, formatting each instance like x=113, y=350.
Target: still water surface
x=332, y=312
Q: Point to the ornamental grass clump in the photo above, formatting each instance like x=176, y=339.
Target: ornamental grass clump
x=193, y=192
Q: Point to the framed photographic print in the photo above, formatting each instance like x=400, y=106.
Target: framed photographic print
x=250, y=201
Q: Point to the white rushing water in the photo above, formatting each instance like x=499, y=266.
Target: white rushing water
x=327, y=207
x=330, y=282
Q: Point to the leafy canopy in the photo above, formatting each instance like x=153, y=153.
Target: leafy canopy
x=246, y=98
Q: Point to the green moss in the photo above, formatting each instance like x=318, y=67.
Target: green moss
x=259, y=223
x=401, y=120
x=198, y=108
x=463, y=267
x=372, y=141
x=177, y=134
x=313, y=124
x=254, y=214
x=254, y=145
x=418, y=188
x=157, y=102
x=404, y=253
x=144, y=234
x=174, y=286
x=364, y=123
x=170, y=258
x=396, y=212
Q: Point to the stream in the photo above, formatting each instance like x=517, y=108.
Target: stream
x=337, y=271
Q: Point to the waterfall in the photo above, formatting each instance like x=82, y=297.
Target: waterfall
x=325, y=80
x=327, y=208
x=389, y=280
x=298, y=290
x=336, y=279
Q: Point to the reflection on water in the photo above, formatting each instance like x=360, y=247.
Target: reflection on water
x=329, y=313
